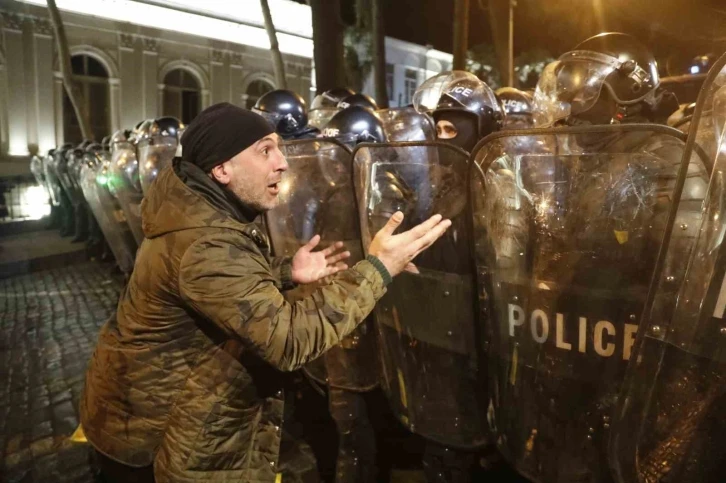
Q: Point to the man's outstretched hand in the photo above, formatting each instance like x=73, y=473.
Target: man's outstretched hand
x=397, y=251
x=309, y=266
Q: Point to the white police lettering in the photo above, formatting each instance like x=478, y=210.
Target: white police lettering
x=330, y=132
x=464, y=91
x=604, y=341
x=512, y=105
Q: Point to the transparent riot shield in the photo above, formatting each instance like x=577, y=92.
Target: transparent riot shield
x=567, y=227
x=669, y=425
x=36, y=167
x=106, y=209
x=52, y=181
x=425, y=321
x=406, y=124
x=317, y=197
x=125, y=185
x=63, y=168
x=155, y=153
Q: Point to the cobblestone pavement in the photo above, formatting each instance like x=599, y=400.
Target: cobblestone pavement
x=48, y=327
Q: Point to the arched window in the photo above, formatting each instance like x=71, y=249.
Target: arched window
x=255, y=90
x=182, y=95
x=92, y=79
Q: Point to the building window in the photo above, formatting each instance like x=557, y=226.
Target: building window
x=255, y=90
x=389, y=81
x=92, y=79
x=410, y=84
x=182, y=95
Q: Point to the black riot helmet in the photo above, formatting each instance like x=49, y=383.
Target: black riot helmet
x=608, y=78
x=284, y=110
x=355, y=125
x=167, y=126
x=463, y=107
x=517, y=107
x=358, y=99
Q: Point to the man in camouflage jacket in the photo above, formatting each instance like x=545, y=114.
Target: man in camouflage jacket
x=185, y=379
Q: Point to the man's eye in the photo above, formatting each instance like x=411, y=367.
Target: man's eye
x=264, y=151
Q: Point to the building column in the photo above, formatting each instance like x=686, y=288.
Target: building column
x=160, y=100
x=17, y=102
x=150, y=72
x=43, y=82
x=219, y=81
x=130, y=81
x=58, y=108
x=114, y=87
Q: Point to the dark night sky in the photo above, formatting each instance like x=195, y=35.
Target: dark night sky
x=676, y=30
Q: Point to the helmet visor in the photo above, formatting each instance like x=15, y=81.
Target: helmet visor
x=571, y=85
x=318, y=118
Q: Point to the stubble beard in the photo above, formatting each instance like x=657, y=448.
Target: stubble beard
x=257, y=201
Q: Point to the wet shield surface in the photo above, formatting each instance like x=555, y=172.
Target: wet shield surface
x=95, y=175
x=670, y=424
x=317, y=198
x=125, y=185
x=425, y=321
x=568, y=224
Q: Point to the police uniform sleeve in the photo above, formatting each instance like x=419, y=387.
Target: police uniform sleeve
x=229, y=283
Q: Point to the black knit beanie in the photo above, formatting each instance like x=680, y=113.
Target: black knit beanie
x=220, y=132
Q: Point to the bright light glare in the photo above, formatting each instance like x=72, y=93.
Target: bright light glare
x=155, y=16
x=34, y=203
x=695, y=69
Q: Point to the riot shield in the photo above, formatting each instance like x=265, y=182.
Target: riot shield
x=669, y=424
x=154, y=155
x=406, y=124
x=316, y=197
x=567, y=226
x=425, y=321
x=36, y=167
x=106, y=209
x=125, y=185
x=63, y=169
x=52, y=181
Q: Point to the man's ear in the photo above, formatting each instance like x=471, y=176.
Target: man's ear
x=221, y=173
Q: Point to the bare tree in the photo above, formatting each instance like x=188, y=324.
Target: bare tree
x=461, y=33
x=72, y=89
x=379, y=55
x=277, y=62
x=328, y=44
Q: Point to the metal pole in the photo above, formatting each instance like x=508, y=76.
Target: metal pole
x=510, y=55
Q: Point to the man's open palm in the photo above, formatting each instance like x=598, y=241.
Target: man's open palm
x=309, y=266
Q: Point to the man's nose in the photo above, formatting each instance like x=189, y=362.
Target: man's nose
x=280, y=161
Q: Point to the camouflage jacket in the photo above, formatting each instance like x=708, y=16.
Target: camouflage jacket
x=186, y=375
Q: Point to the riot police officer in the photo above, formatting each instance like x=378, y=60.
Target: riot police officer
x=358, y=99
x=286, y=112
x=351, y=371
x=157, y=147
x=591, y=208
x=517, y=108
x=467, y=109
x=325, y=105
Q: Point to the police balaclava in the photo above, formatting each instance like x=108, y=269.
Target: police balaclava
x=466, y=124
x=219, y=133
